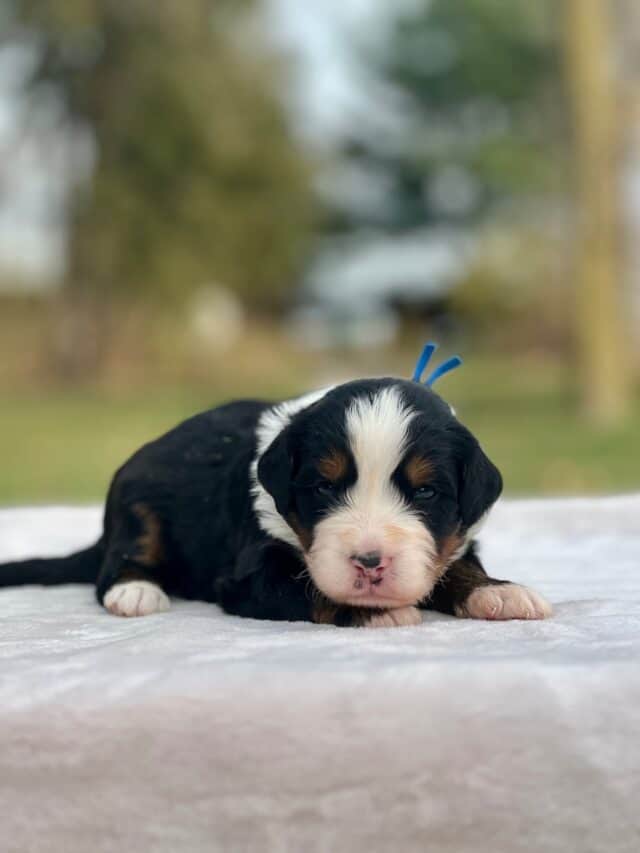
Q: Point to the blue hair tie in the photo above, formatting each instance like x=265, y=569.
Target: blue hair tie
x=423, y=361
x=425, y=357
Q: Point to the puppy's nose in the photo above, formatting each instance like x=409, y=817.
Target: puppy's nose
x=369, y=561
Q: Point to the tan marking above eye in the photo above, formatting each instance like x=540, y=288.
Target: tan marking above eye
x=333, y=467
x=419, y=471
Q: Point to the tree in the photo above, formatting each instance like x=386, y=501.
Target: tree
x=473, y=83
x=601, y=326
x=481, y=99
x=196, y=178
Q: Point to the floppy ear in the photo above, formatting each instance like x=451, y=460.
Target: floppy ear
x=480, y=483
x=275, y=470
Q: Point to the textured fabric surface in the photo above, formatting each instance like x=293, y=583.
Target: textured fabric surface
x=192, y=730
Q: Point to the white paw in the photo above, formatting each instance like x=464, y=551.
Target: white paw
x=394, y=618
x=505, y=601
x=135, y=598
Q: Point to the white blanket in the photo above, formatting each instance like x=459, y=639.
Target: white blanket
x=196, y=731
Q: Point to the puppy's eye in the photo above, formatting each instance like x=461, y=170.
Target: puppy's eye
x=324, y=488
x=425, y=493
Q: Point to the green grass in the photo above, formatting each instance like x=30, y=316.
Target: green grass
x=543, y=447
x=64, y=446
x=527, y=417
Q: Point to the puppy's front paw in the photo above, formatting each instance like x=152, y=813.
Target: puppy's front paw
x=135, y=598
x=394, y=618
x=504, y=601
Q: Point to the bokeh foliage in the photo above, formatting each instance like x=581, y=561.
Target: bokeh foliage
x=474, y=84
x=196, y=177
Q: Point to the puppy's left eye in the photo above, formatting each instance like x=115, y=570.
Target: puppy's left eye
x=324, y=488
x=425, y=493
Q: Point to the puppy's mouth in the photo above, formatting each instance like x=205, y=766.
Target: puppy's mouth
x=375, y=592
x=387, y=571
x=381, y=588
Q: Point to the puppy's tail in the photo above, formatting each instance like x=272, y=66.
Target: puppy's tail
x=81, y=567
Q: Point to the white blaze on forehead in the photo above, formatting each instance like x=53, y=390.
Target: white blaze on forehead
x=378, y=433
x=373, y=514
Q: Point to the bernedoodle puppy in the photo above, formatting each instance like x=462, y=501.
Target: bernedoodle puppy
x=356, y=505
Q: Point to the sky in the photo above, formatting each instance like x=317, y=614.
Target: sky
x=323, y=38
x=31, y=183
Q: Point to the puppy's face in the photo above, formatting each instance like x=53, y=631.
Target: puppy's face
x=381, y=485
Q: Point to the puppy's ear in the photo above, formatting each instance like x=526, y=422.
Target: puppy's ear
x=275, y=470
x=480, y=482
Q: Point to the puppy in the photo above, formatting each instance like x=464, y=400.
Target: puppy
x=355, y=506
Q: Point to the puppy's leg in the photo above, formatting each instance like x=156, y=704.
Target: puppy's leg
x=130, y=582
x=267, y=582
x=466, y=590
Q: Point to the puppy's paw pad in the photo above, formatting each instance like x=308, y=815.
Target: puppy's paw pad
x=505, y=601
x=135, y=598
x=400, y=616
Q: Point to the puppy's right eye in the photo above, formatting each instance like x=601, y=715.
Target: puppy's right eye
x=425, y=493
x=324, y=488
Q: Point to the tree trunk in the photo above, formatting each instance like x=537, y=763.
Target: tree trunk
x=600, y=315
x=628, y=38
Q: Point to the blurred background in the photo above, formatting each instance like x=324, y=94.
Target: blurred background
x=214, y=199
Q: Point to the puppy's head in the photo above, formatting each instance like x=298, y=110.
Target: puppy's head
x=378, y=484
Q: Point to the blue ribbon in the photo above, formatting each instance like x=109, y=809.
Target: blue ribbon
x=425, y=357
x=423, y=361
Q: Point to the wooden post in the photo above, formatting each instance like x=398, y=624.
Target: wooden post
x=601, y=321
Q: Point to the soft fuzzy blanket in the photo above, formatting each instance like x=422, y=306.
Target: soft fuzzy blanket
x=196, y=731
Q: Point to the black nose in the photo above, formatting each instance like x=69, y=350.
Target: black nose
x=370, y=560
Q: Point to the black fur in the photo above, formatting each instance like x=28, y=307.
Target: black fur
x=180, y=512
